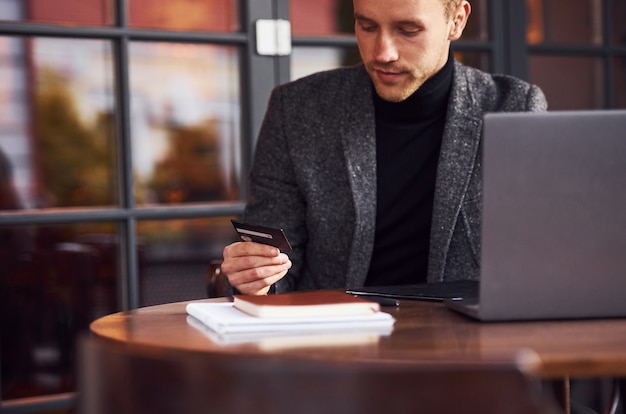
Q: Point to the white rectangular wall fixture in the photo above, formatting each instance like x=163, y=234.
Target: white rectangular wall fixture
x=273, y=37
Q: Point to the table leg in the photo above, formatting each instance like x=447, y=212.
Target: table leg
x=560, y=390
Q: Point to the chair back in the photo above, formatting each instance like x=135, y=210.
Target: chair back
x=120, y=379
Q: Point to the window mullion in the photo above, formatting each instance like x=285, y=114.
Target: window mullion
x=517, y=48
x=128, y=272
x=257, y=81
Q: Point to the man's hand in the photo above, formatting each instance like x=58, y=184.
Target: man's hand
x=252, y=268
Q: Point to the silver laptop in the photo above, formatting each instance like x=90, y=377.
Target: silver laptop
x=554, y=217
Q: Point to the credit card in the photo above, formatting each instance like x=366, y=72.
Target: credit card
x=262, y=234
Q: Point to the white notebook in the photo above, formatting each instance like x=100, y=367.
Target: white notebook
x=269, y=341
x=223, y=318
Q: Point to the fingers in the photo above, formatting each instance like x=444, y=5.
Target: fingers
x=257, y=286
x=243, y=249
x=253, y=267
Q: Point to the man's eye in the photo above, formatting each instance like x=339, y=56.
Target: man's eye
x=409, y=32
x=367, y=28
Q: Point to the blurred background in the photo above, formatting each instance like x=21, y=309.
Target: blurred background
x=126, y=133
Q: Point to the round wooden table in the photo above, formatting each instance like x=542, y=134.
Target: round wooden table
x=424, y=331
x=433, y=357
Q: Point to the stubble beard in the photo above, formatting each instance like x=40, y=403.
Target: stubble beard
x=412, y=81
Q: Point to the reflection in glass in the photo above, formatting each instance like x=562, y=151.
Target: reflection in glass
x=57, y=122
x=569, y=82
x=308, y=60
x=478, y=24
x=548, y=23
x=619, y=22
x=620, y=82
x=187, y=15
x=321, y=17
x=475, y=59
x=185, y=122
x=65, y=12
x=174, y=257
x=54, y=280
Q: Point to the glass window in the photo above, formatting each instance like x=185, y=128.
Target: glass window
x=187, y=15
x=174, y=257
x=185, y=122
x=64, y=12
x=619, y=85
x=478, y=24
x=321, y=17
x=58, y=126
x=54, y=280
x=475, y=59
x=619, y=22
x=569, y=82
x=308, y=60
x=554, y=21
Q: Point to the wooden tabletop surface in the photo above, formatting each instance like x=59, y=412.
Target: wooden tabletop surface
x=424, y=331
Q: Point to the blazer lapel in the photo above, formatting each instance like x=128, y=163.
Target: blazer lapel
x=459, y=149
x=359, y=141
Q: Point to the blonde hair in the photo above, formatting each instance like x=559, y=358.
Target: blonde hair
x=449, y=6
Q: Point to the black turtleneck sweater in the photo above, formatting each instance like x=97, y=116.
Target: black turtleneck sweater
x=408, y=140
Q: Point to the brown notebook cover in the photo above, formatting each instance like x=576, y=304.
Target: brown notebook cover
x=305, y=304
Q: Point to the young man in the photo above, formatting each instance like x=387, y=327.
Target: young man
x=373, y=171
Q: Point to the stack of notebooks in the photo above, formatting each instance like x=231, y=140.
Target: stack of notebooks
x=290, y=313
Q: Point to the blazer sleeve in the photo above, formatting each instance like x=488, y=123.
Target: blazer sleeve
x=274, y=198
x=536, y=100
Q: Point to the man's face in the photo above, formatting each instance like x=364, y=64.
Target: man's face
x=404, y=42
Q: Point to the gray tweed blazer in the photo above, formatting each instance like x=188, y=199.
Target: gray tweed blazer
x=314, y=174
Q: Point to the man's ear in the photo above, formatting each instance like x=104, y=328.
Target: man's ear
x=459, y=19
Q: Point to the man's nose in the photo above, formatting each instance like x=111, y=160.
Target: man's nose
x=385, y=50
